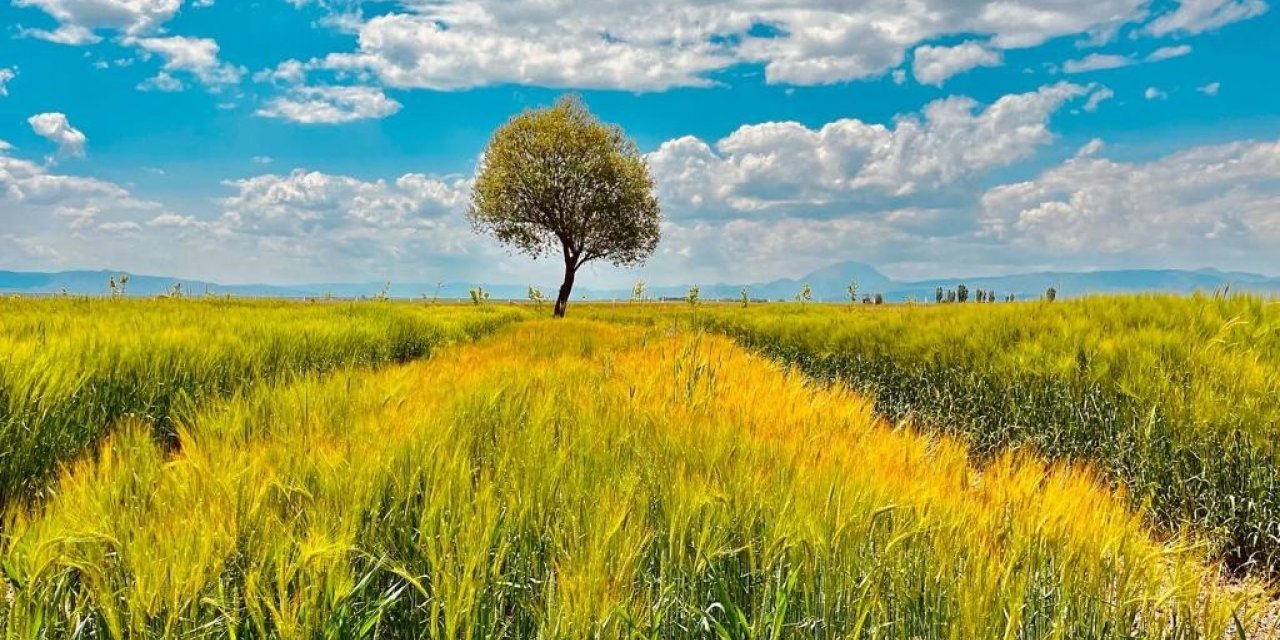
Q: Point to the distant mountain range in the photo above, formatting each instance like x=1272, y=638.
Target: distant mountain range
x=829, y=283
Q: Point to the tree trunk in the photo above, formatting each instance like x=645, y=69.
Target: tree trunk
x=562, y=301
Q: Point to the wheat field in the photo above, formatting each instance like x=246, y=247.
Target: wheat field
x=1177, y=399
x=576, y=479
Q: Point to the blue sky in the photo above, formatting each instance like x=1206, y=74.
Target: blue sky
x=295, y=140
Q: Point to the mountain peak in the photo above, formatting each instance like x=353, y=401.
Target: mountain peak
x=839, y=274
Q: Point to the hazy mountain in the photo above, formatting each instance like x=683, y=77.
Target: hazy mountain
x=829, y=283
x=95, y=283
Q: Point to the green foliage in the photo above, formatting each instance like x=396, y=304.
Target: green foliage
x=692, y=296
x=536, y=297
x=743, y=298
x=853, y=291
x=1051, y=294
x=478, y=296
x=116, y=285
x=557, y=180
x=805, y=294
x=637, y=291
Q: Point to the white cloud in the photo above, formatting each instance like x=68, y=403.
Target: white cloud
x=1211, y=89
x=162, y=82
x=196, y=56
x=262, y=159
x=319, y=218
x=850, y=164
x=55, y=128
x=417, y=51
x=933, y=65
x=1091, y=148
x=176, y=221
x=56, y=221
x=25, y=248
x=455, y=44
x=1100, y=95
x=1167, y=53
x=1207, y=205
x=33, y=197
x=73, y=35
x=1196, y=16
x=126, y=226
x=1154, y=93
x=330, y=105
x=78, y=19
x=1096, y=62
x=1101, y=61
x=304, y=203
x=6, y=74
x=301, y=226
x=289, y=72
x=744, y=250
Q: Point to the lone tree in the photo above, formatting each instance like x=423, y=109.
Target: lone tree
x=557, y=179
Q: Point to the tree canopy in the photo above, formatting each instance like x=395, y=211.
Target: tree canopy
x=558, y=179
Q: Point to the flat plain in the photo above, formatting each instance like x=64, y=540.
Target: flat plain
x=1080, y=469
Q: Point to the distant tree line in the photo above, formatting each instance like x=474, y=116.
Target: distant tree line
x=960, y=294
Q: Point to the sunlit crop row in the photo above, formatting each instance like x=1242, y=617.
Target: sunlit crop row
x=1178, y=398
x=71, y=368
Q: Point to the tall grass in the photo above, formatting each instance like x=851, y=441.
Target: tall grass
x=71, y=368
x=1178, y=398
x=574, y=480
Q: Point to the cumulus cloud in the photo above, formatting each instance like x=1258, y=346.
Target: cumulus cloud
x=55, y=128
x=933, y=65
x=306, y=202
x=1215, y=204
x=313, y=216
x=195, y=56
x=1155, y=93
x=455, y=44
x=162, y=82
x=330, y=105
x=1211, y=89
x=174, y=220
x=289, y=72
x=850, y=164
x=1197, y=16
x=27, y=187
x=79, y=19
